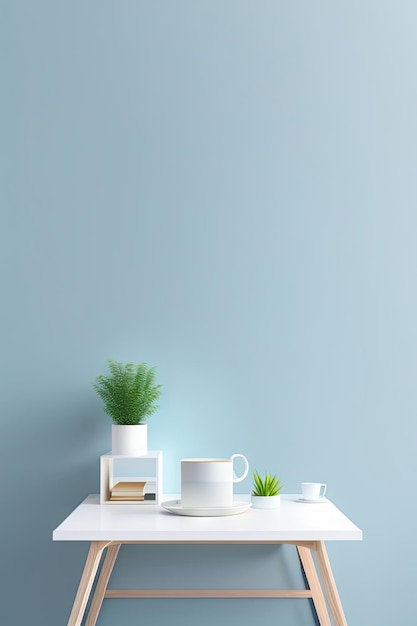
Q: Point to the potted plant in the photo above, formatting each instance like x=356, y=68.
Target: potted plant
x=266, y=491
x=129, y=394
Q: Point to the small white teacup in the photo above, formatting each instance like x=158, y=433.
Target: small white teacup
x=209, y=482
x=313, y=491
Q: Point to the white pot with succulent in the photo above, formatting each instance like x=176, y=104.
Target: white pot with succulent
x=129, y=394
x=266, y=492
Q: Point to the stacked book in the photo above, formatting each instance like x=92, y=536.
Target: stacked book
x=134, y=491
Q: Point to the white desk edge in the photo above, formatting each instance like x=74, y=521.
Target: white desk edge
x=294, y=521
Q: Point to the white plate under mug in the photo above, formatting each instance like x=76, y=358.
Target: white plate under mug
x=175, y=506
x=305, y=501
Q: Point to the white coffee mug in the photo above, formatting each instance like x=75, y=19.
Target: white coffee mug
x=209, y=482
x=313, y=491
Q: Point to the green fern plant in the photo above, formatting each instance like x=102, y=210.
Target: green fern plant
x=129, y=393
x=266, y=486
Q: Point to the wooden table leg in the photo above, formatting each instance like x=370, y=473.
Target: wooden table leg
x=86, y=582
x=319, y=602
x=330, y=585
x=103, y=579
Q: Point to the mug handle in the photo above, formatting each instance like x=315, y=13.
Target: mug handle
x=323, y=490
x=245, y=471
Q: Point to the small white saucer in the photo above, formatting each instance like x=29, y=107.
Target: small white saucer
x=323, y=499
x=174, y=506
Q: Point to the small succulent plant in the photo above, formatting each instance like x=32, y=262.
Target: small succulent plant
x=266, y=486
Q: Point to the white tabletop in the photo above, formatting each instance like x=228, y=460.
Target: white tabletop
x=293, y=521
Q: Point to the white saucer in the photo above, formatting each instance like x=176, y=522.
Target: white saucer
x=174, y=506
x=323, y=499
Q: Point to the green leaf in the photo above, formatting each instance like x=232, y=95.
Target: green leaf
x=267, y=486
x=129, y=393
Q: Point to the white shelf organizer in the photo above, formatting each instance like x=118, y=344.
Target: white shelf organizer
x=116, y=468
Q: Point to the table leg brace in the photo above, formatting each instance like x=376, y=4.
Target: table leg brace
x=319, y=602
x=329, y=584
x=86, y=582
x=103, y=579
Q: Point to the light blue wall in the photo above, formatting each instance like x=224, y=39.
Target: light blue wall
x=226, y=190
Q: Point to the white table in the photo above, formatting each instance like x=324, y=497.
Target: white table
x=306, y=526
